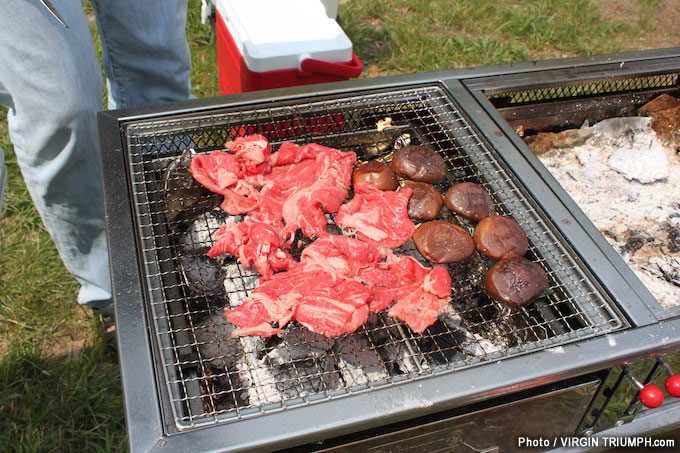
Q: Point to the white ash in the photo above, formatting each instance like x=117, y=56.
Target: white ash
x=626, y=182
x=259, y=385
x=646, y=167
x=213, y=336
x=238, y=282
x=359, y=364
x=478, y=346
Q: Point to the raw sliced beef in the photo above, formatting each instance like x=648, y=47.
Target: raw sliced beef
x=217, y=171
x=226, y=173
x=310, y=194
x=418, y=309
x=298, y=184
x=255, y=243
x=253, y=151
x=421, y=294
x=378, y=216
x=325, y=304
x=341, y=255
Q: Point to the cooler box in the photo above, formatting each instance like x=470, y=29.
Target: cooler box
x=264, y=44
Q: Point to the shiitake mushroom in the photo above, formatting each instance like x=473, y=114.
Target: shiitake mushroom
x=377, y=174
x=425, y=202
x=443, y=242
x=499, y=237
x=469, y=200
x=515, y=282
x=419, y=163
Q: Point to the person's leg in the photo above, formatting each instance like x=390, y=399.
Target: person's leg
x=145, y=51
x=51, y=81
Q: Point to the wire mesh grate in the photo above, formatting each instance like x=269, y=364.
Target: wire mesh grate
x=212, y=378
x=582, y=89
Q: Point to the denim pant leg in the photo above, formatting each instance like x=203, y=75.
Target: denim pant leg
x=51, y=81
x=3, y=178
x=145, y=51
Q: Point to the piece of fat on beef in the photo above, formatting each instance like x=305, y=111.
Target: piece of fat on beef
x=377, y=216
x=241, y=199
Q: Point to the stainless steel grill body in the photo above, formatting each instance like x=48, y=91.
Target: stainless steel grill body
x=593, y=305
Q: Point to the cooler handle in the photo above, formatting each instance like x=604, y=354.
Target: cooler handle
x=345, y=69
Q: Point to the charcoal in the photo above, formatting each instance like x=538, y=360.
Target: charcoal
x=203, y=275
x=185, y=198
x=199, y=236
x=238, y=283
x=298, y=365
x=359, y=364
x=302, y=364
x=213, y=336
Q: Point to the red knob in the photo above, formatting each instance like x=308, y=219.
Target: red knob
x=673, y=385
x=651, y=396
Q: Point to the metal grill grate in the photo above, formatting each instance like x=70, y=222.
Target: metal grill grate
x=211, y=378
x=583, y=89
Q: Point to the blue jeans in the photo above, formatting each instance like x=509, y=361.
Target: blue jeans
x=51, y=81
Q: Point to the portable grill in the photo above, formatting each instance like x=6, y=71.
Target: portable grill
x=460, y=384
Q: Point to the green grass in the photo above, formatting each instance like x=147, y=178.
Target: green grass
x=421, y=35
x=53, y=403
x=59, y=383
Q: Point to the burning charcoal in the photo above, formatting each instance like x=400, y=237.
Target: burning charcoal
x=358, y=362
x=392, y=346
x=197, y=239
x=441, y=344
x=467, y=277
x=185, y=198
x=238, y=283
x=217, y=348
x=202, y=275
x=301, y=364
x=476, y=345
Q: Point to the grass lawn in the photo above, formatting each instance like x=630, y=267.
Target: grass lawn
x=60, y=383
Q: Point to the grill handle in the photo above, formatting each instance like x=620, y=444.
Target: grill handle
x=348, y=69
x=673, y=381
x=650, y=395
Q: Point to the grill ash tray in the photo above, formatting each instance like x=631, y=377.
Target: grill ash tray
x=212, y=378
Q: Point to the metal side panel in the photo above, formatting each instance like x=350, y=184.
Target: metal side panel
x=141, y=397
